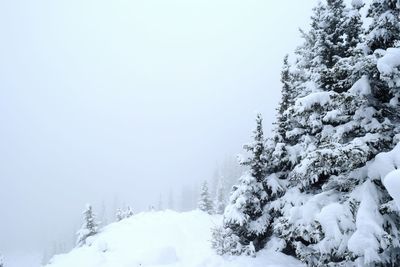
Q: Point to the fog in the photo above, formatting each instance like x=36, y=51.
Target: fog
x=120, y=101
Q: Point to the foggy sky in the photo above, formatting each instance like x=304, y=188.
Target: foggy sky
x=128, y=99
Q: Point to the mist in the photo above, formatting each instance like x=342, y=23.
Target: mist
x=117, y=102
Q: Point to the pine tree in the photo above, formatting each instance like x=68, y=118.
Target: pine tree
x=1, y=261
x=160, y=204
x=220, y=201
x=124, y=213
x=89, y=227
x=245, y=223
x=119, y=215
x=171, y=202
x=205, y=204
x=277, y=146
x=129, y=212
x=338, y=132
x=286, y=101
x=384, y=30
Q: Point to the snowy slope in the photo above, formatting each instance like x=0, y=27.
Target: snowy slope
x=166, y=238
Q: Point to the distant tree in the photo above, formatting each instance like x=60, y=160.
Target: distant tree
x=2, y=261
x=124, y=213
x=171, y=202
x=128, y=212
x=103, y=214
x=89, y=227
x=160, y=203
x=119, y=215
x=205, y=203
x=220, y=200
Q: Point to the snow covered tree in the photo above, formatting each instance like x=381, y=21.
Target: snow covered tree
x=337, y=32
x=245, y=223
x=257, y=159
x=220, y=201
x=119, y=215
x=171, y=202
x=321, y=194
x=205, y=204
x=124, y=213
x=384, y=31
x=1, y=261
x=287, y=99
x=160, y=203
x=338, y=132
x=89, y=227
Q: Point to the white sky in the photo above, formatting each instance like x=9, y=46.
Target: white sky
x=128, y=98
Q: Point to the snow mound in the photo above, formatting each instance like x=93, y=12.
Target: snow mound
x=162, y=239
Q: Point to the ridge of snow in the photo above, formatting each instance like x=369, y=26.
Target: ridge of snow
x=163, y=239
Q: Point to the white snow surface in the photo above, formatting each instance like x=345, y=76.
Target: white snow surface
x=361, y=87
x=164, y=238
x=389, y=61
x=392, y=184
x=389, y=66
x=316, y=98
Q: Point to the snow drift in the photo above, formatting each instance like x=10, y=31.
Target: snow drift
x=164, y=238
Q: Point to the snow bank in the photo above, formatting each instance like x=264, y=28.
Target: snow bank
x=166, y=238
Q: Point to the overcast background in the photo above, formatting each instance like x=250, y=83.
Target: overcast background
x=127, y=99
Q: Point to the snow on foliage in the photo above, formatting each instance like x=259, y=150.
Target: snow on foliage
x=389, y=67
x=311, y=100
x=89, y=227
x=365, y=240
x=392, y=184
x=334, y=144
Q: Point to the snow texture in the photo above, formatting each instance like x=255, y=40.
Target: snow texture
x=389, y=66
x=164, y=238
x=392, y=184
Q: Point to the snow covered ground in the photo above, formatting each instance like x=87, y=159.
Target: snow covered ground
x=165, y=238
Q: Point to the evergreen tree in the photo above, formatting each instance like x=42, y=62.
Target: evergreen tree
x=1, y=261
x=171, y=202
x=124, y=213
x=89, y=227
x=160, y=204
x=286, y=101
x=383, y=34
x=220, y=201
x=384, y=30
x=318, y=193
x=205, y=204
x=245, y=223
x=338, y=132
x=119, y=215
